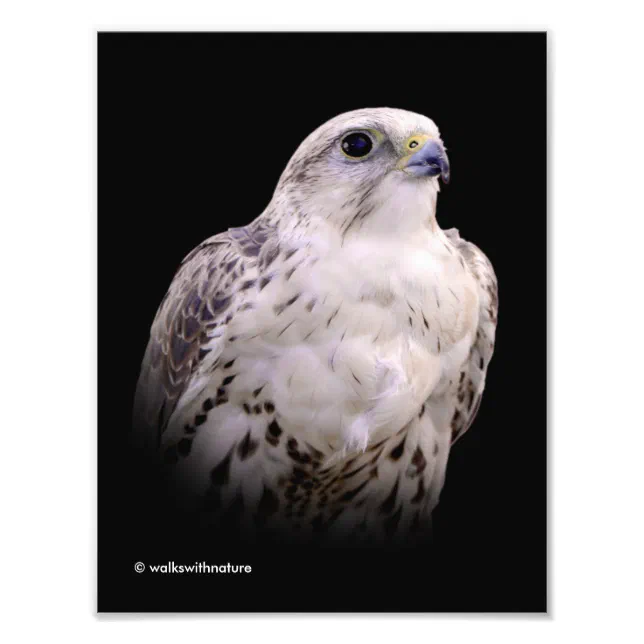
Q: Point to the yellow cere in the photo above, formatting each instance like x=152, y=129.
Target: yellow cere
x=415, y=142
x=412, y=145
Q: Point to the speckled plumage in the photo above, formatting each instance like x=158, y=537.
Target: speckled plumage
x=309, y=372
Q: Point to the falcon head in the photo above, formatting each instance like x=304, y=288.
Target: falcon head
x=371, y=166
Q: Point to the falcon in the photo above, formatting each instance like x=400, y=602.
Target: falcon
x=308, y=373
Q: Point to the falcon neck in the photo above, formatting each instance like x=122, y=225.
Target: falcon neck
x=398, y=210
x=402, y=210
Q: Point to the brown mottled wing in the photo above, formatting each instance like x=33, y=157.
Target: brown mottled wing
x=469, y=390
x=192, y=315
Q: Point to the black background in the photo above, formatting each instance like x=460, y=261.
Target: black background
x=175, y=113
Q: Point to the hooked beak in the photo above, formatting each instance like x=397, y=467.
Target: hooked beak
x=430, y=161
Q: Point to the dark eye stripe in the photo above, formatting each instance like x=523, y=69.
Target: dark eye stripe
x=357, y=145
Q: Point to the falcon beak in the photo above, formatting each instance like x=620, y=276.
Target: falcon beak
x=430, y=161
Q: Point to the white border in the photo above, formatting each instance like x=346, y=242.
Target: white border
x=48, y=258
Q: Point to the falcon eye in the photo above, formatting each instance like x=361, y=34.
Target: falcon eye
x=413, y=144
x=356, y=145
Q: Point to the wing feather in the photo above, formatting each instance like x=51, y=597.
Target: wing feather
x=189, y=328
x=469, y=389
